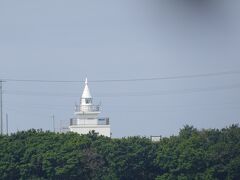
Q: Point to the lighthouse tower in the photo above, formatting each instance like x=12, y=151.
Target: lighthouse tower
x=86, y=116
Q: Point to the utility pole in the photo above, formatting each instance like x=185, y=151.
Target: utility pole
x=7, y=123
x=60, y=126
x=53, y=120
x=1, y=107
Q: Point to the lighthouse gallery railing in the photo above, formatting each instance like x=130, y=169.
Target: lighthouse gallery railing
x=87, y=108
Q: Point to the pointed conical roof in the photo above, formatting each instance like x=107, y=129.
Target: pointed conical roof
x=86, y=91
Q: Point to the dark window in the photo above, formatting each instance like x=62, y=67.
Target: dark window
x=88, y=101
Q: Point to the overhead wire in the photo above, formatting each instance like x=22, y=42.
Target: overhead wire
x=187, y=76
x=128, y=94
x=139, y=108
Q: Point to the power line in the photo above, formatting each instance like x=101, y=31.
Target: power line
x=173, y=77
x=189, y=76
x=141, y=108
x=129, y=94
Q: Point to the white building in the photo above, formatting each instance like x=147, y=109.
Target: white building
x=86, y=117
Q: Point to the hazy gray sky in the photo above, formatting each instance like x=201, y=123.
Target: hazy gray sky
x=69, y=40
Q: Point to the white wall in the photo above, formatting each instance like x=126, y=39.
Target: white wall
x=85, y=129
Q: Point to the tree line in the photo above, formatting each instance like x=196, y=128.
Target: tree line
x=192, y=154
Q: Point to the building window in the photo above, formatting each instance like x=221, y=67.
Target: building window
x=88, y=101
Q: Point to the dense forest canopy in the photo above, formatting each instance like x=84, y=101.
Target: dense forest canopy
x=193, y=154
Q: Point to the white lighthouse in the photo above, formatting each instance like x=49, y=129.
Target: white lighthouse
x=86, y=116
